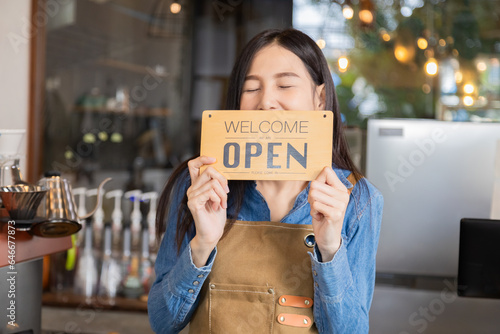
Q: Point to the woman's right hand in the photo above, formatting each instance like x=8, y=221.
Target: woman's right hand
x=207, y=201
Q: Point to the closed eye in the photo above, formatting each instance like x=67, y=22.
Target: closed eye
x=250, y=90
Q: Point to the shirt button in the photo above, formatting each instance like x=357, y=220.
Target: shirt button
x=191, y=291
x=200, y=275
x=315, y=273
x=196, y=283
x=316, y=284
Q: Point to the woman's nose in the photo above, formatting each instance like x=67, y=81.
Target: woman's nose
x=268, y=100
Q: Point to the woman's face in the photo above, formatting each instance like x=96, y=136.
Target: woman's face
x=278, y=79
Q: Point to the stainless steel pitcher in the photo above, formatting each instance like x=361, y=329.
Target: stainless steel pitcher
x=60, y=209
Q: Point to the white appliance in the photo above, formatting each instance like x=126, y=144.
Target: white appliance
x=431, y=174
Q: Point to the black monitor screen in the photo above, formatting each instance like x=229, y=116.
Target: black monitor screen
x=479, y=258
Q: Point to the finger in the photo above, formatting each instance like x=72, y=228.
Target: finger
x=329, y=177
x=211, y=185
x=321, y=210
x=211, y=174
x=207, y=197
x=195, y=165
x=317, y=186
x=333, y=202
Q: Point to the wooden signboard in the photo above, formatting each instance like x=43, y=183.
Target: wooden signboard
x=268, y=144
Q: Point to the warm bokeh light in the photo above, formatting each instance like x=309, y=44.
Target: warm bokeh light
x=481, y=66
x=468, y=101
x=422, y=43
x=343, y=63
x=175, y=8
x=401, y=53
x=321, y=43
x=459, y=77
x=366, y=16
x=469, y=89
x=386, y=37
x=347, y=12
x=431, y=67
x=442, y=42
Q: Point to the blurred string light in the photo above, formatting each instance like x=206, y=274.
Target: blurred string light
x=442, y=42
x=469, y=88
x=343, y=63
x=175, y=7
x=348, y=12
x=422, y=43
x=401, y=53
x=365, y=14
x=459, y=77
x=404, y=54
x=431, y=67
x=166, y=19
x=468, y=100
x=385, y=36
x=321, y=43
x=481, y=66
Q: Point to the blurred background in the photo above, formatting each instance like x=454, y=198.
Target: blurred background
x=116, y=88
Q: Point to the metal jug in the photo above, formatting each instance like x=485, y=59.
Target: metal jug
x=60, y=209
x=10, y=173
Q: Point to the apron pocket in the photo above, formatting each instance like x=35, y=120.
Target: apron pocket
x=240, y=309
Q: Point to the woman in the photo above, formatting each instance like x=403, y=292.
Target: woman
x=239, y=256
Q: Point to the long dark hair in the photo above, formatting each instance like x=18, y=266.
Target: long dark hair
x=312, y=57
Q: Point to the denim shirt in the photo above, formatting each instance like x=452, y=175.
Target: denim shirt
x=343, y=287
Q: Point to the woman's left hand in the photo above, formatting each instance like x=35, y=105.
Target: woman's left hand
x=328, y=198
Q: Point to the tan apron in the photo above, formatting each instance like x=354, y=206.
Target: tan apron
x=261, y=282
x=258, y=265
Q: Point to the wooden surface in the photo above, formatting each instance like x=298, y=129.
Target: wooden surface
x=268, y=144
x=28, y=247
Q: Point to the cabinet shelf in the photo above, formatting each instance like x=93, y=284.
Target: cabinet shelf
x=123, y=65
x=68, y=299
x=145, y=112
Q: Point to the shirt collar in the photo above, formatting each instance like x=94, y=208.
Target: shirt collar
x=342, y=174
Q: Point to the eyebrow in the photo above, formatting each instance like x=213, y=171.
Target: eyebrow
x=276, y=76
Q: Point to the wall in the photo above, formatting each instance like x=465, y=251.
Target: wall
x=14, y=65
